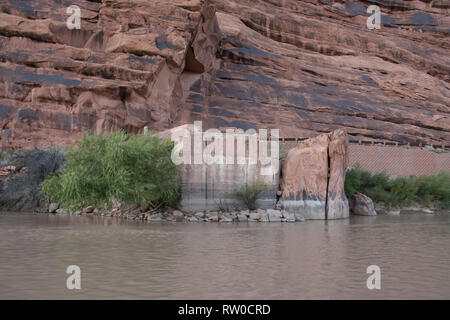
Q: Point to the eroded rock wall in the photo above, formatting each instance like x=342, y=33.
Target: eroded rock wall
x=121, y=70
x=305, y=178
x=337, y=203
x=211, y=185
x=313, y=177
x=304, y=67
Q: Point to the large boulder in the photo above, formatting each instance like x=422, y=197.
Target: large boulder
x=337, y=203
x=362, y=205
x=313, y=177
x=304, y=178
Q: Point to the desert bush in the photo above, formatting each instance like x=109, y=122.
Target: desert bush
x=131, y=169
x=434, y=188
x=248, y=193
x=399, y=191
x=20, y=191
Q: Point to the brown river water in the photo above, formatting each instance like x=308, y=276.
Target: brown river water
x=122, y=259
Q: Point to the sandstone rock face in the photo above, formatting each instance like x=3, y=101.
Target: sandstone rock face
x=121, y=70
x=313, y=177
x=337, y=203
x=212, y=185
x=305, y=178
x=302, y=66
x=362, y=205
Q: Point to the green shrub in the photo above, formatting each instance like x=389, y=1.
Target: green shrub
x=434, y=188
x=400, y=191
x=248, y=193
x=132, y=169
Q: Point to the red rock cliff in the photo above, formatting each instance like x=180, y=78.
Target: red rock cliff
x=301, y=66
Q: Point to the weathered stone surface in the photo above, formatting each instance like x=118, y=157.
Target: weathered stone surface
x=274, y=215
x=155, y=218
x=264, y=217
x=337, y=203
x=53, y=207
x=255, y=216
x=212, y=214
x=212, y=186
x=274, y=218
x=88, y=209
x=242, y=217
x=314, y=176
x=313, y=66
x=302, y=66
x=178, y=214
x=304, y=181
x=62, y=211
x=362, y=205
x=274, y=212
x=121, y=70
x=290, y=218
x=214, y=218
x=393, y=212
x=225, y=219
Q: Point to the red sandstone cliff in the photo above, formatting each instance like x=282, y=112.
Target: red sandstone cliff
x=301, y=66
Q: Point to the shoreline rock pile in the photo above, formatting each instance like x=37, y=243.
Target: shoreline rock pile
x=143, y=214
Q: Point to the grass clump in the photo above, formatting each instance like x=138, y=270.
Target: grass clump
x=400, y=191
x=248, y=193
x=131, y=169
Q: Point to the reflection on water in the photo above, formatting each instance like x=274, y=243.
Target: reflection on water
x=314, y=259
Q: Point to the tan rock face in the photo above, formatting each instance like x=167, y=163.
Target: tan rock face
x=213, y=186
x=121, y=70
x=362, y=205
x=313, y=177
x=305, y=170
x=337, y=204
x=304, y=67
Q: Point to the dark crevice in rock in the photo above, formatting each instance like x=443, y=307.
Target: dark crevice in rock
x=191, y=63
x=328, y=182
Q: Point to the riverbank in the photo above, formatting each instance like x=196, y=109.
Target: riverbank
x=259, y=215
x=143, y=213
x=109, y=185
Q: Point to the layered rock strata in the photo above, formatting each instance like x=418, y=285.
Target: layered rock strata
x=304, y=67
